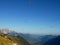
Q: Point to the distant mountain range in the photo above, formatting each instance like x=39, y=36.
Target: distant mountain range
x=33, y=39
x=38, y=39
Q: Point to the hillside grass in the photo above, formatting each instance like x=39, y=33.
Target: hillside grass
x=9, y=40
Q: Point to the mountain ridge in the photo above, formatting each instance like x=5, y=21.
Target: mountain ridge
x=11, y=40
x=32, y=39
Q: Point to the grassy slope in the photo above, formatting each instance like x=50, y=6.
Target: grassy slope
x=11, y=40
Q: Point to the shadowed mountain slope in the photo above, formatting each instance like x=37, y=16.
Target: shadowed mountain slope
x=54, y=41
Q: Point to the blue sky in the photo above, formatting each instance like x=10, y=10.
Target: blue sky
x=31, y=16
